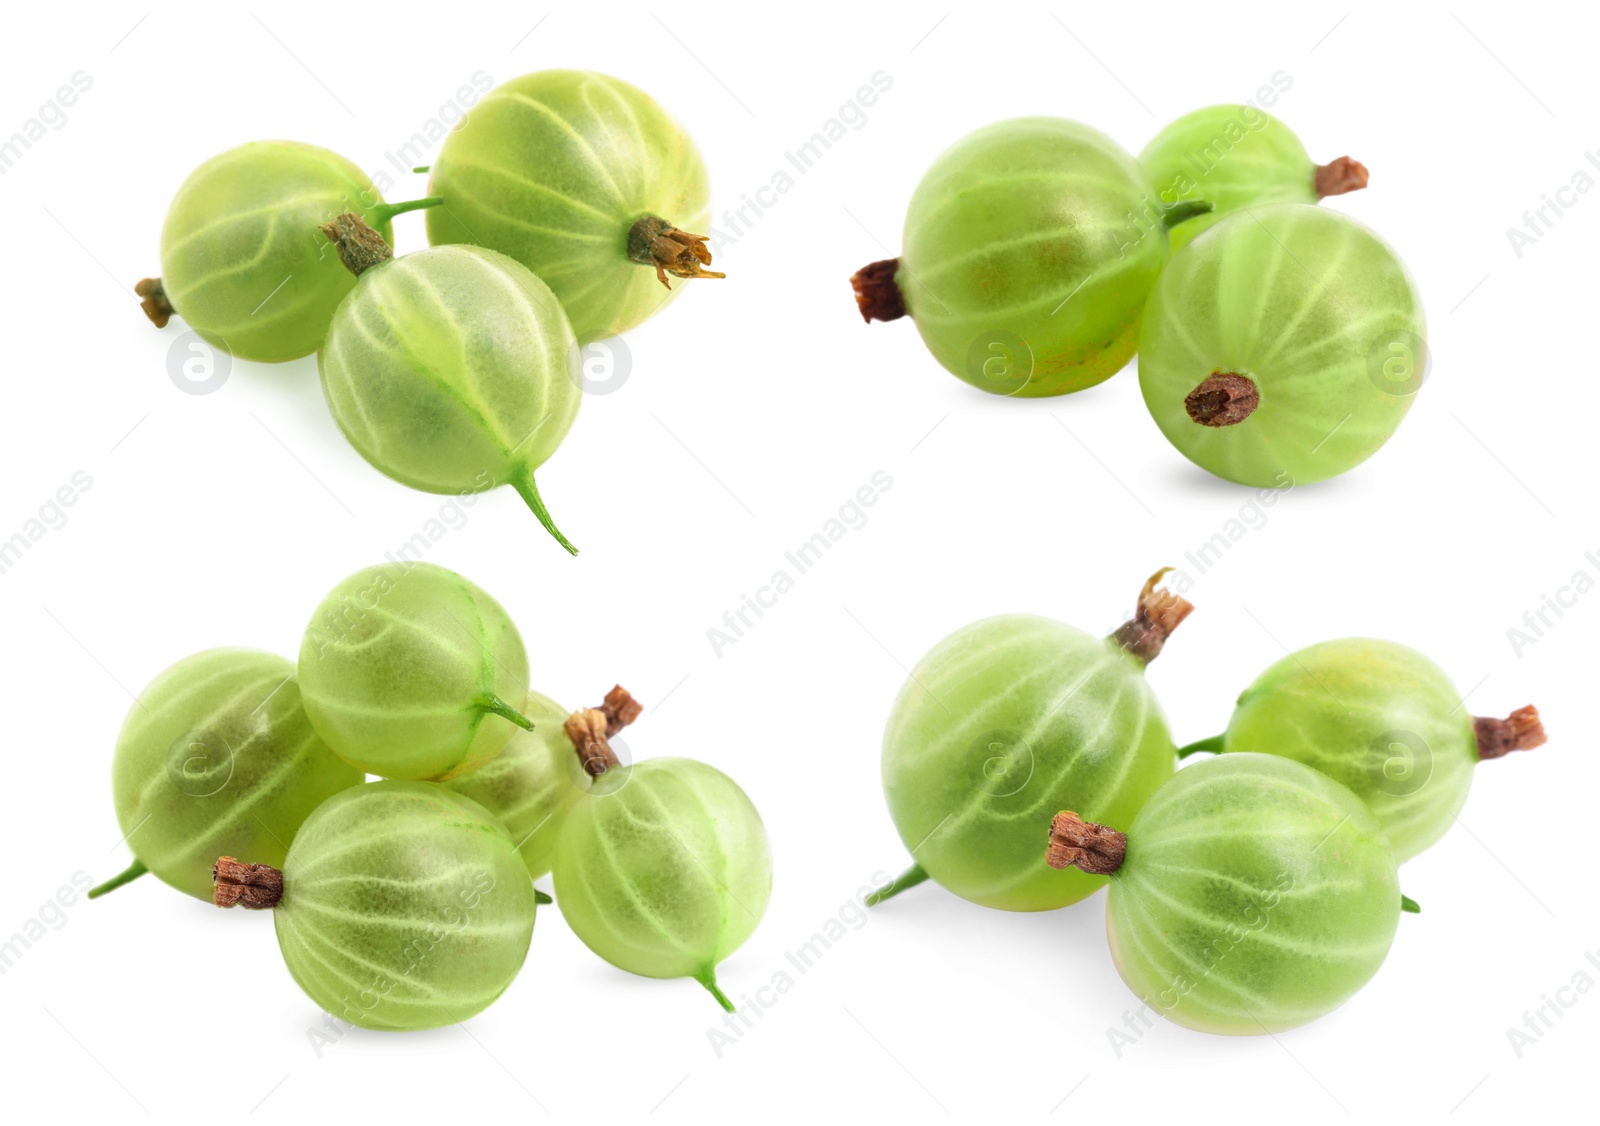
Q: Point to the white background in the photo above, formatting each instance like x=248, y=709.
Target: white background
x=754, y=409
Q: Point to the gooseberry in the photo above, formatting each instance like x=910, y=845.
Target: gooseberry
x=406, y=670
x=400, y=906
x=1251, y=894
x=451, y=370
x=662, y=867
x=1008, y=719
x=1237, y=156
x=241, y=260
x=1282, y=347
x=217, y=755
x=583, y=179
x=531, y=784
x=1384, y=721
x=1028, y=252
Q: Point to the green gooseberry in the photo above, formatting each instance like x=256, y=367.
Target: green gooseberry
x=241, y=260
x=1282, y=347
x=452, y=370
x=531, y=784
x=1384, y=721
x=1029, y=249
x=1237, y=156
x=1250, y=895
x=406, y=670
x=582, y=178
x=662, y=867
x=217, y=755
x=1008, y=719
x=400, y=906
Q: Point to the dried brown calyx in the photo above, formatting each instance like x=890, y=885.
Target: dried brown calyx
x=237, y=884
x=591, y=730
x=1519, y=731
x=652, y=241
x=877, y=295
x=1158, y=613
x=1339, y=176
x=1224, y=399
x=1075, y=843
x=154, y=303
x=360, y=247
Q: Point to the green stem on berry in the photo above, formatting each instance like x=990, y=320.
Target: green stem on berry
x=522, y=481
x=877, y=294
x=1410, y=906
x=1211, y=746
x=126, y=876
x=910, y=878
x=1184, y=210
x=1156, y=615
x=708, y=978
x=422, y=168
x=493, y=704
x=652, y=241
x=541, y=898
x=154, y=301
x=360, y=247
x=383, y=212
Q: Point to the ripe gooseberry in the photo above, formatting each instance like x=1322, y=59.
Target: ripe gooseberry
x=1384, y=721
x=400, y=906
x=1008, y=719
x=452, y=369
x=1237, y=156
x=1250, y=895
x=531, y=784
x=1282, y=347
x=406, y=670
x=217, y=755
x=1028, y=252
x=583, y=179
x=662, y=867
x=241, y=260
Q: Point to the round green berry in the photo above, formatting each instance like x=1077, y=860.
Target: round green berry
x=1282, y=347
x=585, y=180
x=408, y=670
x=217, y=755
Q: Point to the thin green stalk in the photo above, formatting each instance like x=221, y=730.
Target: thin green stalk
x=1211, y=746
x=541, y=898
x=1184, y=209
x=495, y=705
x=708, y=978
x=522, y=481
x=126, y=876
x=383, y=212
x=910, y=878
x=1410, y=906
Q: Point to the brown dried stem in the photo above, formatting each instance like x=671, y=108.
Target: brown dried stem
x=1075, y=843
x=652, y=241
x=591, y=730
x=1339, y=176
x=1225, y=398
x=1158, y=613
x=155, y=303
x=877, y=295
x=1519, y=731
x=360, y=247
x=237, y=884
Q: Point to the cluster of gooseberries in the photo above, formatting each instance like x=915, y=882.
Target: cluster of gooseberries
x=1279, y=343
x=552, y=214
x=408, y=902
x=1027, y=764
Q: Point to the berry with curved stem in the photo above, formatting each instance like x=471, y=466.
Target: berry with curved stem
x=1029, y=249
x=531, y=784
x=1282, y=347
x=1006, y=721
x=241, y=261
x=400, y=906
x=451, y=370
x=662, y=867
x=1250, y=895
x=586, y=181
x=1235, y=157
x=407, y=671
x=217, y=755
x=1384, y=721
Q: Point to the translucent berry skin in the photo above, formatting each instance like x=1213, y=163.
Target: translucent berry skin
x=531, y=784
x=1023, y=264
x=404, y=906
x=218, y=758
x=453, y=370
x=1232, y=156
x=663, y=868
x=242, y=260
x=1256, y=895
x=1003, y=723
x=1312, y=307
x=1376, y=716
x=554, y=168
x=400, y=667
